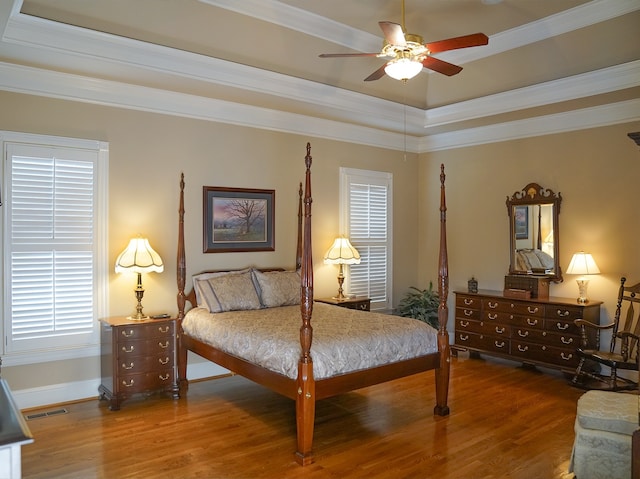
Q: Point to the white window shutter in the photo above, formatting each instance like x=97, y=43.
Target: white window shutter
x=53, y=256
x=367, y=222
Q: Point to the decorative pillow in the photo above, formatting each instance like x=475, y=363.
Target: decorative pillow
x=278, y=288
x=230, y=292
x=198, y=280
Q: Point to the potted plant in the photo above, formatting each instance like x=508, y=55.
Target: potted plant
x=421, y=304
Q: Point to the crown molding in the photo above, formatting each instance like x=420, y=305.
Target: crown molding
x=46, y=83
x=593, y=117
x=606, y=80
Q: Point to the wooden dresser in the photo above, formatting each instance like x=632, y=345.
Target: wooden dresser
x=532, y=331
x=137, y=356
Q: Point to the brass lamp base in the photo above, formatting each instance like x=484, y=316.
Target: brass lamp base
x=139, y=294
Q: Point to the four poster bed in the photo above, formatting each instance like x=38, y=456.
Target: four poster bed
x=248, y=321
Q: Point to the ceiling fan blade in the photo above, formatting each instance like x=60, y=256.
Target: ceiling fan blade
x=441, y=66
x=393, y=33
x=465, y=41
x=338, y=55
x=376, y=75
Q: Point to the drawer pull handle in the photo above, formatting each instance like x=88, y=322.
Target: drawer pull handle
x=532, y=322
x=566, y=357
x=464, y=337
x=532, y=310
x=500, y=344
x=163, y=361
x=468, y=312
x=523, y=334
x=163, y=377
x=127, y=334
x=522, y=348
x=128, y=350
x=562, y=313
x=164, y=345
x=492, y=316
x=499, y=330
x=566, y=340
x=464, y=323
x=468, y=301
x=562, y=327
x=130, y=366
x=127, y=384
x=492, y=305
x=163, y=330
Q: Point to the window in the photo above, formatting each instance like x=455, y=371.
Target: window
x=366, y=221
x=54, y=263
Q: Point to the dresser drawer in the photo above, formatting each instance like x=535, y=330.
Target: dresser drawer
x=565, y=358
x=513, y=307
x=467, y=313
x=470, y=326
x=562, y=326
x=483, y=341
x=468, y=302
x=567, y=313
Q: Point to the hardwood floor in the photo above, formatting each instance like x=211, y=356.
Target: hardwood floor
x=505, y=422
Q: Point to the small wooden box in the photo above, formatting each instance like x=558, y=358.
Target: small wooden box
x=538, y=285
x=517, y=293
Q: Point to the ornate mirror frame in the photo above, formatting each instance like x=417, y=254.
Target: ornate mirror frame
x=526, y=226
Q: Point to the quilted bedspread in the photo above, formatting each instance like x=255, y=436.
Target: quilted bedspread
x=344, y=340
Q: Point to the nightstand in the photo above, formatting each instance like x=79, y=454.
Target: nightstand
x=360, y=303
x=137, y=357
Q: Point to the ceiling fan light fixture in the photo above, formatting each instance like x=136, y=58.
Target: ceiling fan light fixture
x=403, y=68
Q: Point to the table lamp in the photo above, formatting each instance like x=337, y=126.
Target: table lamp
x=139, y=257
x=583, y=264
x=341, y=252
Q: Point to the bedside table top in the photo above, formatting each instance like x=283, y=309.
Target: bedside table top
x=124, y=321
x=357, y=299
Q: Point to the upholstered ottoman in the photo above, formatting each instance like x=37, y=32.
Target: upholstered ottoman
x=604, y=424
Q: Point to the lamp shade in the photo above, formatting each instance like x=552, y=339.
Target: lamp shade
x=342, y=252
x=139, y=257
x=403, y=68
x=582, y=263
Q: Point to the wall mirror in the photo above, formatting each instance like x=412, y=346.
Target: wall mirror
x=533, y=233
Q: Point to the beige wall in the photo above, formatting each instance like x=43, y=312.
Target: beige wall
x=596, y=171
x=147, y=154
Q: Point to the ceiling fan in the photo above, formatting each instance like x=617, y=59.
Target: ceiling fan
x=408, y=54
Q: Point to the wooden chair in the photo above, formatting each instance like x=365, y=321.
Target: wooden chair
x=623, y=350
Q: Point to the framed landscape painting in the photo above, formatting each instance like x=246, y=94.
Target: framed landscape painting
x=238, y=219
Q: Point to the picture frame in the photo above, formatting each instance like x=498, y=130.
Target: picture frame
x=238, y=219
x=521, y=222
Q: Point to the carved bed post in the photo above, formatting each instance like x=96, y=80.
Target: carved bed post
x=299, y=245
x=442, y=373
x=181, y=299
x=305, y=399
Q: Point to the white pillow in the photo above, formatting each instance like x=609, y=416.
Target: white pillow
x=278, y=288
x=230, y=292
x=198, y=278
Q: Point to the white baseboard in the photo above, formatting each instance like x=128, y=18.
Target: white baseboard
x=79, y=390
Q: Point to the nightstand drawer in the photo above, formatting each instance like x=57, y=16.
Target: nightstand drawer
x=146, y=331
x=144, y=348
x=137, y=383
x=145, y=363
